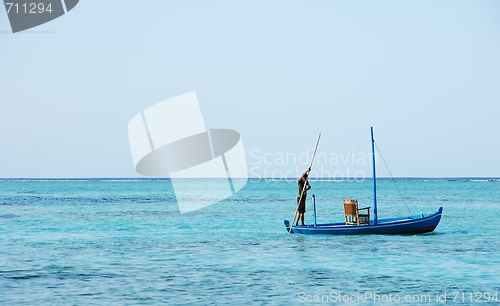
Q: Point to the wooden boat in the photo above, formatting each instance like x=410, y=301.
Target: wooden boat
x=360, y=223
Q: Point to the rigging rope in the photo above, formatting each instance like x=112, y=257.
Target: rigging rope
x=392, y=177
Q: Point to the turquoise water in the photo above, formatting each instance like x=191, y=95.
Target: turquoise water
x=91, y=241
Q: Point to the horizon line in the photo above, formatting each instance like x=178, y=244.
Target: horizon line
x=255, y=178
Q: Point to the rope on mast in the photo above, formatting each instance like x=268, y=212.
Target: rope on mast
x=393, y=180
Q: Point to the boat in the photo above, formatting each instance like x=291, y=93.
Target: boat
x=358, y=222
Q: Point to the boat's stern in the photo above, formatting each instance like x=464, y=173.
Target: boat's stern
x=289, y=230
x=287, y=225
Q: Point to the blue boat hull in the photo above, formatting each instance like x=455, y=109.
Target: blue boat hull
x=405, y=225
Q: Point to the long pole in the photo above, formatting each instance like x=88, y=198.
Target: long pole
x=374, y=179
x=304, y=188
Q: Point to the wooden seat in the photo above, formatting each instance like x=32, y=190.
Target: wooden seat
x=353, y=215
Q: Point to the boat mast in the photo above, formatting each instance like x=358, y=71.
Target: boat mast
x=374, y=179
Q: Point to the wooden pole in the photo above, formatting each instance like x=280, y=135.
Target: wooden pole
x=304, y=188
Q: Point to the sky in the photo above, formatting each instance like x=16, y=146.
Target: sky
x=424, y=74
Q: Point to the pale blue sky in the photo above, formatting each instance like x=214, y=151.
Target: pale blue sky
x=425, y=74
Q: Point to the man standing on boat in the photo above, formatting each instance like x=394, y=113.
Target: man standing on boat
x=302, y=194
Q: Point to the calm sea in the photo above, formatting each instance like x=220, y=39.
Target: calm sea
x=124, y=242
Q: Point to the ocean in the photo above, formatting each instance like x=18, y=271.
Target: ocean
x=124, y=242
